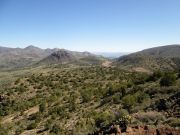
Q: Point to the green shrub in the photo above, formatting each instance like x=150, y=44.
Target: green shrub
x=3, y=130
x=86, y=95
x=105, y=101
x=141, y=96
x=129, y=101
x=36, y=116
x=17, y=81
x=174, y=122
x=33, y=125
x=116, y=99
x=150, y=117
x=161, y=104
x=48, y=124
x=178, y=76
x=122, y=112
x=55, y=129
x=42, y=107
x=20, y=89
x=155, y=76
x=19, y=130
x=168, y=79
x=103, y=118
x=72, y=105
x=139, y=78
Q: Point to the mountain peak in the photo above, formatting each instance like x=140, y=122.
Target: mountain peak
x=31, y=47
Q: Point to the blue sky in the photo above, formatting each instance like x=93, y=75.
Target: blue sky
x=91, y=25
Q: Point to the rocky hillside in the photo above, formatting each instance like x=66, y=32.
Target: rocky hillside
x=164, y=57
x=60, y=56
x=71, y=57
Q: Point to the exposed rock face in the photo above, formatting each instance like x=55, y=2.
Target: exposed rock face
x=167, y=131
x=61, y=56
x=138, y=130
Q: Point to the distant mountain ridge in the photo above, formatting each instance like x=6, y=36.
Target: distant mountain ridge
x=22, y=57
x=111, y=55
x=169, y=51
x=163, y=57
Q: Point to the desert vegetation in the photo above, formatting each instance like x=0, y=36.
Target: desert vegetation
x=82, y=100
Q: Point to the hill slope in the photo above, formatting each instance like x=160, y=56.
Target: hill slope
x=165, y=57
x=11, y=58
x=21, y=57
x=65, y=56
x=84, y=100
x=60, y=56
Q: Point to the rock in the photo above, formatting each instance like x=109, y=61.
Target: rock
x=167, y=131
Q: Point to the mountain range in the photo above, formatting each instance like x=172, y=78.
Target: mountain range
x=23, y=57
x=163, y=57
